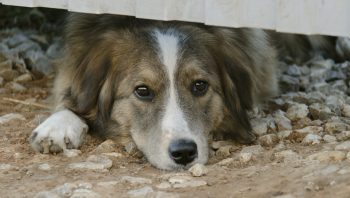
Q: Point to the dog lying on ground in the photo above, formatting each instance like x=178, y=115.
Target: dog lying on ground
x=167, y=85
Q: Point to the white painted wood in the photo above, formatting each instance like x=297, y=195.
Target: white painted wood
x=330, y=17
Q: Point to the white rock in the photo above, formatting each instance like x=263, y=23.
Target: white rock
x=93, y=162
x=66, y=189
x=11, y=116
x=106, y=147
x=71, y=152
x=282, y=122
x=164, y=185
x=297, y=111
x=179, y=179
x=226, y=162
x=198, y=170
x=311, y=139
x=284, y=134
x=6, y=167
x=46, y=194
x=328, y=156
x=329, y=170
x=217, y=144
x=320, y=111
x=245, y=157
x=259, y=126
x=346, y=110
x=345, y=146
x=329, y=138
x=113, y=154
x=108, y=183
x=79, y=193
x=310, y=129
x=255, y=149
x=136, y=180
x=141, y=192
x=44, y=167
x=190, y=184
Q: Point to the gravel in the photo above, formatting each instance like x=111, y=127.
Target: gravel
x=198, y=170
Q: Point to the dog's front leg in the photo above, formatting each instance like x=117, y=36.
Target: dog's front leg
x=62, y=130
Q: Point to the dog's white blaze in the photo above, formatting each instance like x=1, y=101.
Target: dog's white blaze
x=173, y=121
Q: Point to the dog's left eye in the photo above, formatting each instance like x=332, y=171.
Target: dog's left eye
x=199, y=87
x=144, y=93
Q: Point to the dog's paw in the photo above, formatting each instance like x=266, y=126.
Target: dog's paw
x=62, y=130
x=343, y=47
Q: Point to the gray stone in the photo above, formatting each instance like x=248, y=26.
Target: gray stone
x=39, y=62
x=141, y=192
x=198, y=170
x=245, y=157
x=46, y=194
x=226, y=162
x=65, y=190
x=345, y=146
x=108, y=183
x=329, y=170
x=284, y=134
x=320, y=111
x=94, y=162
x=282, y=122
x=10, y=117
x=217, y=144
x=297, y=111
x=293, y=70
x=224, y=151
x=310, y=129
x=334, y=103
x=342, y=136
x=164, y=185
x=136, y=180
x=261, y=126
x=311, y=139
x=329, y=138
x=106, y=147
x=6, y=167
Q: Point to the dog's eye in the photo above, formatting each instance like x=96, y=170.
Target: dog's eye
x=144, y=93
x=199, y=87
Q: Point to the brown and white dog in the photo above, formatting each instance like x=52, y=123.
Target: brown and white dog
x=168, y=85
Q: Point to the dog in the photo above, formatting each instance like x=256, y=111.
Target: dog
x=168, y=86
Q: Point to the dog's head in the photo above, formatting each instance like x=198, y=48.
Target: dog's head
x=168, y=86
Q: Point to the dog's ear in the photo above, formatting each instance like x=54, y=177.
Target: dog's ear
x=90, y=94
x=237, y=86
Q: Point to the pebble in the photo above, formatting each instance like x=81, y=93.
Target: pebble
x=136, y=180
x=328, y=156
x=320, y=111
x=223, y=152
x=105, y=147
x=311, y=139
x=44, y=167
x=164, y=185
x=107, y=183
x=6, y=167
x=198, y=170
x=342, y=136
x=297, y=111
x=346, y=110
x=284, y=196
x=217, y=144
x=329, y=138
x=113, y=154
x=185, y=181
x=245, y=157
x=226, y=162
x=66, y=189
x=16, y=87
x=310, y=129
x=282, y=122
x=259, y=126
x=255, y=149
x=46, y=194
x=93, y=162
x=10, y=117
x=141, y=192
x=284, y=134
x=345, y=146
x=335, y=127
x=71, y=152
x=269, y=140
x=178, y=179
x=24, y=78
x=85, y=193
x=287, y=156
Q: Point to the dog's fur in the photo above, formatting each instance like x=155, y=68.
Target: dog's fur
x=106, y=57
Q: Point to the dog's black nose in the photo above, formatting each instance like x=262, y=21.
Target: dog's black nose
x=183, y=151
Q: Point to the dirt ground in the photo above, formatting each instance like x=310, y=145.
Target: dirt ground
x=22, y=173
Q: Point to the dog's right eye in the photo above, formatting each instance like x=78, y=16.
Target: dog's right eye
x=144, y=93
